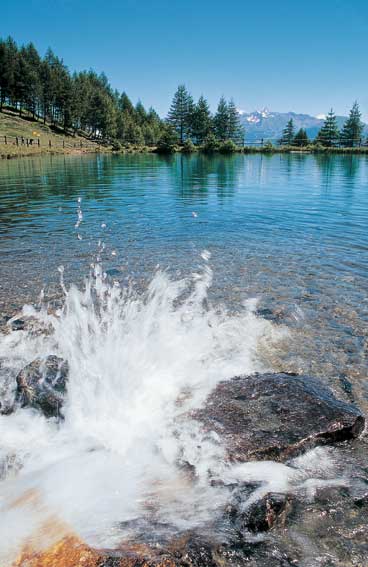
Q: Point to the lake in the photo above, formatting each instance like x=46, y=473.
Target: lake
x=290, y=230
x=156, y=277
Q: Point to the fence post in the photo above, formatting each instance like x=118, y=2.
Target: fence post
x=6, y=140
x=17, y=141
x=49, y=143
x=38, y=142
x=63, y=143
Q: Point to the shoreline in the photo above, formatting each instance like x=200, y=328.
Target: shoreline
x=16, y=153
x=34, y=152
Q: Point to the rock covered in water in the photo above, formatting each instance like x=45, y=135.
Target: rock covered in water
x=42, y=385
x=263, y=514
x=277, y=416
x=186, y=551
x=268, y=416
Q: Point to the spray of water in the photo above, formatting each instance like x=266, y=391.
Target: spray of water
x=139, y=362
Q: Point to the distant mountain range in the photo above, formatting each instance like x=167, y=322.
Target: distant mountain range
x=269, y=125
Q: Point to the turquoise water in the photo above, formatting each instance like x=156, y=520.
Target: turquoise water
x=290, y=230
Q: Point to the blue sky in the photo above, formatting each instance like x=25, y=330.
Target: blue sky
x=286, y=54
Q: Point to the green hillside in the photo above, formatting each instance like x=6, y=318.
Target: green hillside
x=16, y=134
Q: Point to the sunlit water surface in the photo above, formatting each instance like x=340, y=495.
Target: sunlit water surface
x=290, y=230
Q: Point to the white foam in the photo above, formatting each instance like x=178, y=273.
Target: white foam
x=139, y=362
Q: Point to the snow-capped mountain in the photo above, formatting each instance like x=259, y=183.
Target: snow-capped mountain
x=256, y=116
x=269, y=125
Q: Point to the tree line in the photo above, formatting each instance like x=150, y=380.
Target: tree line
x=195, y=122
x=84, y=102
x=329, y=136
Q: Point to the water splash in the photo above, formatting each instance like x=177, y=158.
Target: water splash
x=139, y=363
x=79, y=213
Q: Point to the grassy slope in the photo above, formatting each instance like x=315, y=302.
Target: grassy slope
x=12, y=126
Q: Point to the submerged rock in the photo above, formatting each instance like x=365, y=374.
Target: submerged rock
x=264, y=514
x=187, y=551
x=277, y=416
x=42, y=385
x=268, y=416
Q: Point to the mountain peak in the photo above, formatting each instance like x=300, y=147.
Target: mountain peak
x=266, y=125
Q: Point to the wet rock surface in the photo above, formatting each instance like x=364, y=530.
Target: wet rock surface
x=277, y=416
x=189, y=551
x=42, y=385
x=272, y=509
x=268, y=416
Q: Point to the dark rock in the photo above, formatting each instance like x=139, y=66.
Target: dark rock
x=274, y=315
x=17, y=325
x=346, y=386
x=334, y=526
x=256, y=554
x=277, y=416
x=12, y=322
x=189, y=551
x=42, y=385
x=273, y=509
x=5, y=408
x=264, y=514
x=193, y=551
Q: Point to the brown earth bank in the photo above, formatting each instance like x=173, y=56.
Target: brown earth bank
x=23, y=137
x=12, y=153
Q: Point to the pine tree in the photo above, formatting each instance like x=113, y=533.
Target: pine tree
x=141, y=114
x=351, y=133
x=148, y=135
x=136, y=135
x=124, y=124
x=82, y=93
x=9, y=79
x=22, y=78
x=329, y=134
x=48, y=85
x=3, y=57
x=33, y=79
x=125, y=104
x=301, y=138
x=221, y=120
x=287, y=134
x=235, y=129
x=62, y=94
x=152, y=117
x=168, y=140
x=202, y=121
x=180, y=115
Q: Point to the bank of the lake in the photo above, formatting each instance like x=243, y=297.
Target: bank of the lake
x=8, y=151
x=25, y=137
